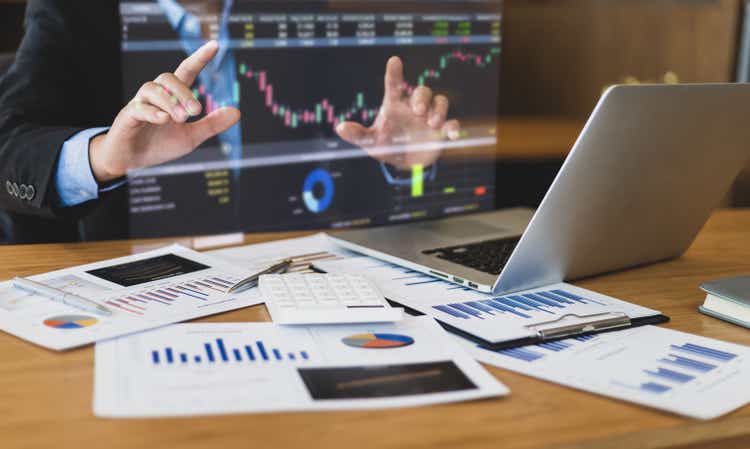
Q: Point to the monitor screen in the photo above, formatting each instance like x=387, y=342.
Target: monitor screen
x=296, y=69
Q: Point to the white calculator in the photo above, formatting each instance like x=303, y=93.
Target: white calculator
x=325, y=299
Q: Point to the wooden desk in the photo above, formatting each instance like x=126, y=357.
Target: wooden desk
x=45, y=397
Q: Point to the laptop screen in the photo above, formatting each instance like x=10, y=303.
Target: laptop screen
x=296, y=69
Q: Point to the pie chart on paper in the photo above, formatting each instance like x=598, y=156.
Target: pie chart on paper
x=70, y=321
x=378, y=341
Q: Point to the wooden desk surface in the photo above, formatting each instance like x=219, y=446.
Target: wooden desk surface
x=45, y=397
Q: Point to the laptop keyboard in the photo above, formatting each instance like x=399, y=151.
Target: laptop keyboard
x=489, y=256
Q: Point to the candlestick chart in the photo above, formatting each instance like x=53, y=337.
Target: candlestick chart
x=324, y=112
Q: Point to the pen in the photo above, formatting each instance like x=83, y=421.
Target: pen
x=60, y=296
x=252, y=280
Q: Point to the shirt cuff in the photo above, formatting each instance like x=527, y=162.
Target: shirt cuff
x=74, y=179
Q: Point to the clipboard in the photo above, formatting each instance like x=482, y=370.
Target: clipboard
x=557, y=329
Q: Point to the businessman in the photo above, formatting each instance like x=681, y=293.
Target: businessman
x=65, y=147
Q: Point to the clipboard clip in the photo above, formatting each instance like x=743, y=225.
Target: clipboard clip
x=596, y=322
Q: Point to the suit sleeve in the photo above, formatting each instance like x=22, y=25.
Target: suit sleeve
x=40, y=103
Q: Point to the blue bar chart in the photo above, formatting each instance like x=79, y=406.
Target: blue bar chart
x=539, y=351
x=689, y=348
x=217, y=351
x=653, y=387
x=525, y=306
x=689, y=364
x=649, y=365
x=683, y=363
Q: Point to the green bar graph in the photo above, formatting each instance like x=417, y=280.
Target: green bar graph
x=243, y=69
x=236, y=92
x=318, y=113
x=417, y=180
x=360, y=100
x=294, y=120
x=449, y=190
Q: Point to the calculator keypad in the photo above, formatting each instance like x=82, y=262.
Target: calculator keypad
x=324, y=298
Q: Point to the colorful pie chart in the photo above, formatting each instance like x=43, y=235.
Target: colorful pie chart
x=378, y=341
x=70, y=321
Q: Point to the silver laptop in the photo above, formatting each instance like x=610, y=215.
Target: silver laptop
x=641, y=180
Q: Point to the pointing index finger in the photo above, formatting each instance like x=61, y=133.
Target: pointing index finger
x=189, y=69
x=394, y=79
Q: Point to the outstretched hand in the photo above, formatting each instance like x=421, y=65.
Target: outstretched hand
x=403, y=120
x=152, y=128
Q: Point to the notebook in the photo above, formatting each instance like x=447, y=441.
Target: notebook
x=728, y=299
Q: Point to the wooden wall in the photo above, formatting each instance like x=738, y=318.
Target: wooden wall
x=560, y=54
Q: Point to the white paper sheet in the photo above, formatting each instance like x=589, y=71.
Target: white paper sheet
x=158, y=298
x=262, y=255
x=491, y=318
x=653, y=366
x=216, y=368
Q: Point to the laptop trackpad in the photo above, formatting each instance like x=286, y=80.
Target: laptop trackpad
x=461, y=228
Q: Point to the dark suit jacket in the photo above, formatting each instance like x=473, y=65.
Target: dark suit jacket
x=66, y=78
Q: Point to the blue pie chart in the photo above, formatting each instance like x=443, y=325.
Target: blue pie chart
x=319, y=203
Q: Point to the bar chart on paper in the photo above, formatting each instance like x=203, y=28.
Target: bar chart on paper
x=197, y=291
x=680, y=364
x=541, y=351
x=224, y=350
x=489, y=317
x=553, y=302
x=650, y=365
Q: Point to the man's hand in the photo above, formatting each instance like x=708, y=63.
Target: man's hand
x=152, y=127
x=403, y=120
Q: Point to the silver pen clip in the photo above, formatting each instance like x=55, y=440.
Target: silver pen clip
x=596, y=322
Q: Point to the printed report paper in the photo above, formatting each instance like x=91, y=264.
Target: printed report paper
x=143, y=291
x=653, y=366
x=217, y=368
x=262, y=255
